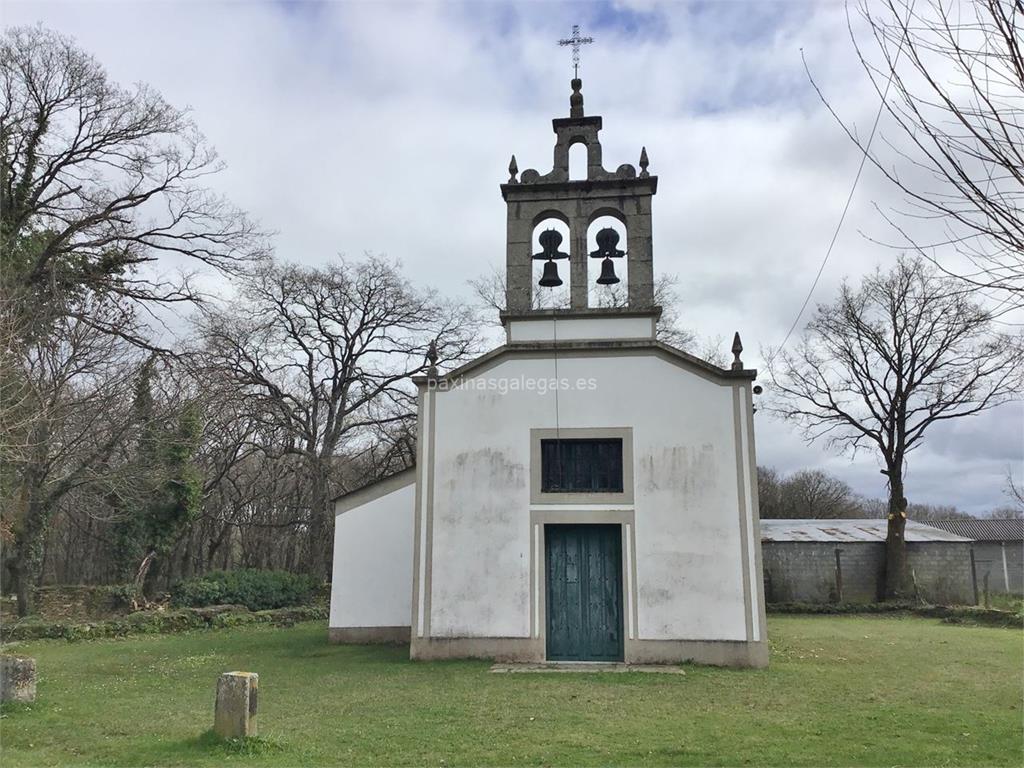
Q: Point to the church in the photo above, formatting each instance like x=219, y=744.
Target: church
x=583, y=493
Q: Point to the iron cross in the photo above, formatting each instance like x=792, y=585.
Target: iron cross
x=576, y=41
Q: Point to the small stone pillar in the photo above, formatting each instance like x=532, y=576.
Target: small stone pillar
x=235, y=715
x=17, y=678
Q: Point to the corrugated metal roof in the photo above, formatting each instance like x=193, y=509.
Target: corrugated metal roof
x=847, y=531
x=983, y=529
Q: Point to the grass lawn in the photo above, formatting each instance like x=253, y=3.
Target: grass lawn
x=841, y=690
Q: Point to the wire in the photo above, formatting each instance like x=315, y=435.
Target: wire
x=558, y=425
x=849, y=198
x=554, y=340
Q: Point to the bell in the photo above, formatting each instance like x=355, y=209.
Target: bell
x=550, y=278
x=608, y=276
x=550, y=239
x=607, y=239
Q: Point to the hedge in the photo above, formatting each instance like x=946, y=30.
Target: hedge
x=158, y=622
x=256, y=590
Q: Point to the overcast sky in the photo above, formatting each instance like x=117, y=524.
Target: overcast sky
x=387, y=127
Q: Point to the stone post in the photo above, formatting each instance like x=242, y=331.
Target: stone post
x=17, y=678
x=235, y=715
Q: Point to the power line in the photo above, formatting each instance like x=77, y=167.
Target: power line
x=849, y=198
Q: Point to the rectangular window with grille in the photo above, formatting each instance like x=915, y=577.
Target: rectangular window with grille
x=581, y=465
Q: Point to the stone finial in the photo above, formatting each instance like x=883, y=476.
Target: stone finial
x=432, y=359
x=644, y=162
x=513, y=170
x=235, y=713
x=737, y=349
x=576, y=99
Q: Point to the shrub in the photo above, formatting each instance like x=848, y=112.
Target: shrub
x=256, y=590
x=151, y=622
x=122, y=596
x=196, y=593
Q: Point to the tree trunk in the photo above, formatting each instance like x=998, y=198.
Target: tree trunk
x=319, y=549
x=895, y=540
x=140, y=575
x=28, y=560
x=23, y=591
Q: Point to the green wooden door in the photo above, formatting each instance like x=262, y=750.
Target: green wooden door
x=584, y=592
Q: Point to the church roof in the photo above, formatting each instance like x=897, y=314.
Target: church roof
x=374, y=490
x=595, y=348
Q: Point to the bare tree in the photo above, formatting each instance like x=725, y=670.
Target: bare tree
x=814, y=494
x=72, y=390
x=1006, y=512
x=769, y=494
x=1014, y=492
x=951, y=76
x=926, y=512
x=806, y=494
x=905, y=350
x=324, y=358
x=97, y=182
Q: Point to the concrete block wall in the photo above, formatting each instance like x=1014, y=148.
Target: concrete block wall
x=942, y=571
x=1015, y=566
x=988, y=557
x=805, y=571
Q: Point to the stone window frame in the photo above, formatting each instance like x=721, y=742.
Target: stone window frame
x=537, y=496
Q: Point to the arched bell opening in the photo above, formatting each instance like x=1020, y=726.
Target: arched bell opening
x=578, y=161
x=607, y=269
x=550, y=262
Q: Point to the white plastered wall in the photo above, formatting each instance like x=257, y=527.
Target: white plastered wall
x=688, y=531
x=373, y=552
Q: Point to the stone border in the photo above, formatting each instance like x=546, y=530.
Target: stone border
x=493, y=648
x=718, y=653
x=369, y=635
x=587, y=667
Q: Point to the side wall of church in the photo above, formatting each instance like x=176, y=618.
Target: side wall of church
x=371, y=588
x=694, y=542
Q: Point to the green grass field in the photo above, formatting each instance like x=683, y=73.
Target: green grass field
x=840, y=691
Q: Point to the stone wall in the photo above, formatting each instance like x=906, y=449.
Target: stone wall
x=798, y=571
x=77, y=601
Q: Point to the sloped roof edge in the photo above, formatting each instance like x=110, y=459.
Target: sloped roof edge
x=583, y=348
x=374, y=490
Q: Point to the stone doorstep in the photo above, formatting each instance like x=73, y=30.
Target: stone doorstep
x=588, y=666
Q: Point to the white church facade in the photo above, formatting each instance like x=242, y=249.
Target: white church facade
x=584, y=492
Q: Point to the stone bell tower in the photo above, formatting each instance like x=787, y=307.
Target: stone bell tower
x=622, y=194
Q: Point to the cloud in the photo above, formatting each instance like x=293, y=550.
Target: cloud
x=387, y=127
